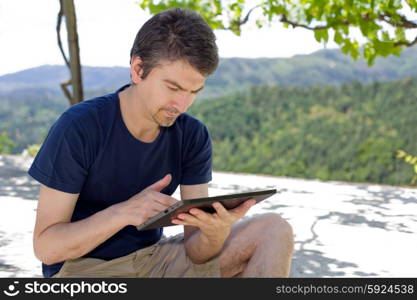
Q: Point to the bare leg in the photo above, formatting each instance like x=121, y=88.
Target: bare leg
x=261, y=246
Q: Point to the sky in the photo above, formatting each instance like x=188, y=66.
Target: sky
x=107, y=28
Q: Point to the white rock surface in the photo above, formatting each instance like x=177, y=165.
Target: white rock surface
x=341, y=229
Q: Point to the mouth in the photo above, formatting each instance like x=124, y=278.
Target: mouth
x=171, y=115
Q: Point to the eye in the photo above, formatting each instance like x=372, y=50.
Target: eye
x=173, y=88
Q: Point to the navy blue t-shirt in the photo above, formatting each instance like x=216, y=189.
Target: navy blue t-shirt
x=90, y=151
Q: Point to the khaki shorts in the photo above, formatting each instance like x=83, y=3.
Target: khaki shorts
x=166, y=258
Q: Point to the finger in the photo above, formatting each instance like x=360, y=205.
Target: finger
x=242, y=209
x=182, y=222
x=160, y=184
x=188, y=219
x=156, y=206
x=220, y=210
x=251, y=202
x=162, y=198
x=178, y=222
x=200, y=214
x=148, y=213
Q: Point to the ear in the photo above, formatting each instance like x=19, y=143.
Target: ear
x=136, y=70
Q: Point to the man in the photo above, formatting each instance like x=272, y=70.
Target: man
x=110, y=163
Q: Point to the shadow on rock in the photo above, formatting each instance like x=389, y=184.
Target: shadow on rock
x=4, y=267
x=14, y=180
x=312, y=263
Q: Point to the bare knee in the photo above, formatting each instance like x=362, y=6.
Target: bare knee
x=276, y=227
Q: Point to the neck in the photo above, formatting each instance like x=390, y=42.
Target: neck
x=135, y=117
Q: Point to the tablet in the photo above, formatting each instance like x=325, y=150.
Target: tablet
x=230, y=201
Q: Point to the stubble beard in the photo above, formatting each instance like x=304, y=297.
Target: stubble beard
x=163, y=120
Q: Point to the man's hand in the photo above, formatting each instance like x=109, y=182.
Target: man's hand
x=144, y=205
x=215, y=228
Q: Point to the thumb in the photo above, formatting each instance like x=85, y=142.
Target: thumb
x=160, y=184
x=243, y=208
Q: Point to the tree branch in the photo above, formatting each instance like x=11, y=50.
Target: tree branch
x=404, y=23
x=67, y=93
x=58, y=32
x=239, y=23
x=246, y=18
x=284, y=19
x=406, y=43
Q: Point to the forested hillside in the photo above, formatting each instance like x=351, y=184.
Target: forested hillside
x=348, y=133
x=27, y=114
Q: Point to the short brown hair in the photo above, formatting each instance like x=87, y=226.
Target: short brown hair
x=176, y=34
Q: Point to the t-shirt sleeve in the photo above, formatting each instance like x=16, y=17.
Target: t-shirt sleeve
x=197, y=160
x=62, y=161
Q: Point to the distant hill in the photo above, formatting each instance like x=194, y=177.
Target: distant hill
x=50, y=77
x=321, y=67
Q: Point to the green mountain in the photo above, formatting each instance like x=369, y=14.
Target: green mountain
x=321, y=67
x=50, y=77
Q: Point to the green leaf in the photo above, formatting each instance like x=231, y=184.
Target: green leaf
x=401, y=154
x=321, y=34
x=339, y=15
x=338, y=37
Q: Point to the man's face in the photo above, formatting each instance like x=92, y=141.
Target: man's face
x=168, y=90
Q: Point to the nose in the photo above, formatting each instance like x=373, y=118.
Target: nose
x=183, y=101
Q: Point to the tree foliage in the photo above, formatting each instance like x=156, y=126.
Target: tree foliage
x=6, y=144
x=412, y=160
x=346, y=133
x=383, y=23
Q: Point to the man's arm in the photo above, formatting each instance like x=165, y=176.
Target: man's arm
x=197, y=247
x=207, y=234
x=192, y=192
x=57, y=239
